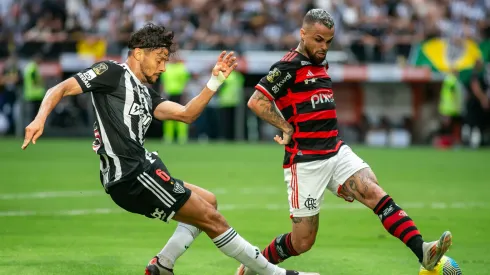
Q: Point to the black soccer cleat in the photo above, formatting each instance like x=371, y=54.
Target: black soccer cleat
x=155, y=268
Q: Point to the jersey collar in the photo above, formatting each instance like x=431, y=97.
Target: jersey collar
x=138, y=82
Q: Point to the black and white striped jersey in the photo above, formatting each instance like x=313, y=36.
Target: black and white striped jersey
x=123, y=111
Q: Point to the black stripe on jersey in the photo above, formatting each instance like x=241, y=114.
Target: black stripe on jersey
x=307, y=106
x=317, y=125
x=308, y=85
x=308, y=158
x=316, y=143
x=287, y=112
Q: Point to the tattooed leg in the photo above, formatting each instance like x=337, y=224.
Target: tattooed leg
x=364, y=187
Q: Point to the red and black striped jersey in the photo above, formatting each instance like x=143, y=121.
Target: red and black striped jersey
x=303, y=94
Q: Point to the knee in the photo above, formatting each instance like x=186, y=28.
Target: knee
x=213, y=200
x=214, y=223
x=302, y=245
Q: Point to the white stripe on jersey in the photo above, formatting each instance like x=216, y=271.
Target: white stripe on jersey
x=167, y=194
x=128, y=102
x=107, y=144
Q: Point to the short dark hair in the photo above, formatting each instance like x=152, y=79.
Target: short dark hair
x=152, y=37
x=319, y=16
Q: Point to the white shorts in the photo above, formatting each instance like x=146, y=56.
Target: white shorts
x=307, y=181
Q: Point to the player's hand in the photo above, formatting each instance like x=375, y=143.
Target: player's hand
x=33, y=132
x=285, y=139
x=226, y=64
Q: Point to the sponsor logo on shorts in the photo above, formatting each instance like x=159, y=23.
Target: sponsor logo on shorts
x=161, y=215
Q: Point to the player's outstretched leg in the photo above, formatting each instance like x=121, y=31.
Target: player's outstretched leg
x=184, y=234
x=297, y=242
x=363, y=186
x=196, y=211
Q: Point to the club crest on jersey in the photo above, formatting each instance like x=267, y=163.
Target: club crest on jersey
x=273, y=75
x=100, y=68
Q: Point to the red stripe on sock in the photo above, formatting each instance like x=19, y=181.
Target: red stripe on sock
x=289, y=244
x=393, y=218
x=274, y=256
x=402, y=227
x=382, y=205
x=410, y=235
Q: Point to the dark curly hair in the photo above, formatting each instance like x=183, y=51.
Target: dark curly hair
x=152, y=37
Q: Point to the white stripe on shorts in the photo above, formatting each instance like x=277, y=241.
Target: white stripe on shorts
x=156, y=192
x=158, y=187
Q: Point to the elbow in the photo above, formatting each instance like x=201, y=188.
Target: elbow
x=188, y=118
x=252, y=104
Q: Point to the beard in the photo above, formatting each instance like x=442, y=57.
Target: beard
x=314, y=58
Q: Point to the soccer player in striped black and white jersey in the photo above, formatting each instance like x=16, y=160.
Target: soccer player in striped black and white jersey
x=136, y=180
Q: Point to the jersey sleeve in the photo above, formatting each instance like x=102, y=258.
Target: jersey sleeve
x=102, y=77
x=155, y=98
x=275, y=84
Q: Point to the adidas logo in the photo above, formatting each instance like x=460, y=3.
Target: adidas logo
x=310, y=73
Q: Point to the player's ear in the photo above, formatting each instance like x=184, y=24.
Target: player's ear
x=302, y=33
x=138, y=54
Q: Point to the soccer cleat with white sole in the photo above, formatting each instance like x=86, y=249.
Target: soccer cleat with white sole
x=243, y=270
x=434, y=251
x=155, y=268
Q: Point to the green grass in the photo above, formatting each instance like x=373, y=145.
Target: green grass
x=454, y=186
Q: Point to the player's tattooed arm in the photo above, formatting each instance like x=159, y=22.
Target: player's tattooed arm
x=264, y=108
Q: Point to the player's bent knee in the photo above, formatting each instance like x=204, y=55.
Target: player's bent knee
x=214, y=224
x=304, y=244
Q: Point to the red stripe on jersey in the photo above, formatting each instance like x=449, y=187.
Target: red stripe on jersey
x=283, y=102
x=308, y=72
x=261, y=89
x=286, y=56
x=327, y=114
x=307, y=96
x=291, y=57
x=314, y=152
x=319, y=134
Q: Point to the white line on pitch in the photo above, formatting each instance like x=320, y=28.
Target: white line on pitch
x=95, y=193
x=231, y=207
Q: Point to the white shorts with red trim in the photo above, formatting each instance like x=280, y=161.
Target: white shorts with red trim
x=307, y=181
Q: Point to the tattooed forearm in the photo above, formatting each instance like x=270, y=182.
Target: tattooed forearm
x=263, y=107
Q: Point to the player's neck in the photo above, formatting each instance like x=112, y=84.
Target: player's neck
x=134, y=66
x=301, y=50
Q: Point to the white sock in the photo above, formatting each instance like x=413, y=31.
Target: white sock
x=182, y=238
x=233, y=245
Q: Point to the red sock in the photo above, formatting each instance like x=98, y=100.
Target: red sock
x=399, y=224
x=280, y=249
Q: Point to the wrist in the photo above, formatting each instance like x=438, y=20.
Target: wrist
x=215, y=81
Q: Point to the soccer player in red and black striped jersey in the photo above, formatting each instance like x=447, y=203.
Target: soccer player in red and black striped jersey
x=297, y=98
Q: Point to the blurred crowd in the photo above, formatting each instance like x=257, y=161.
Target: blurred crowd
x=372, y=30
